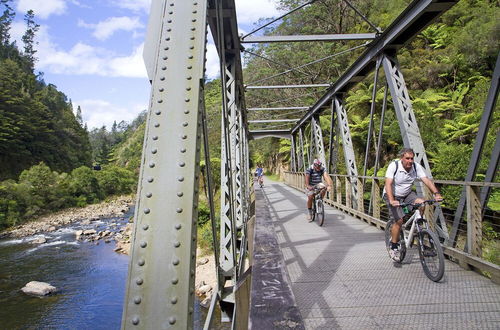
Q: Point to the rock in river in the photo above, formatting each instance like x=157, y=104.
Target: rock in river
x=38, y=288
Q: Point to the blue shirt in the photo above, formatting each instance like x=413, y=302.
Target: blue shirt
x=259, y=171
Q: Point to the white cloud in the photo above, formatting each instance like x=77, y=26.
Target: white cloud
x=42, y=8
x=97, y=113
x=249, y=11
x=105, y=29
x=135, y=5
x=82, y=59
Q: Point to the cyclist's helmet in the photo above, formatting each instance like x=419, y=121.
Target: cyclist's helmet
x=317, y=162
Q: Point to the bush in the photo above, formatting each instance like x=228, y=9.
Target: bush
x=116, y=180
x=83, y=185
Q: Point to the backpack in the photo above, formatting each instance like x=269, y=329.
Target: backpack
x=396, y=170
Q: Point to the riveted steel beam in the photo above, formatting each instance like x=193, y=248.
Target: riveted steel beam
x=259, y=134
x=162, y=263
x=319, y=151
x=288, y=86
x=276, y=109
x=301, y=157
x=303, y=38
x=350, y=160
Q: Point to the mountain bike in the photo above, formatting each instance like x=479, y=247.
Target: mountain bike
x=318, y=206
x=428, y=245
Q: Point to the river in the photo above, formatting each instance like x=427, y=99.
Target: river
x=90, y=278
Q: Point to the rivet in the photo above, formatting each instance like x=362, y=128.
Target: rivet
x=169, y=29
x=149, y=195
x=190, y=310
x=193, y=29
x=147, y=211
x=151, y=165
x=186, y=111
x=193, y=20
x=170, y=12
x=177, y=244
x=161, y=89
x=158, y=112
x=189, y=78
x=179, y=210
x=178, y=226
x=141, y=262
x=154, y=151
x=144, y=244
x=162, y=78
x=135, y=320
x=172, y=4
x=195, y=3
x=150, y=179
x=137, y=300
x=173, y=300
x=191, y=291
x=191, y=47
x=183, y=150
x=175, y=262
x=192, y=38
x=182, y=137
x=185, y=124
x=181, y=178
x=194, y=11
x=145, y=227
x=165, y=58
x=188, y=88
x=192, y=272
x=187, y=100
x=171, y=320
x=139, y=281
x=164, y=67
x=182, y=164
x=169, y=21
x=190, y=67
x=190, y=57
x=175, y=280
x=167, y=38
x=155, y=137
x=160, y=101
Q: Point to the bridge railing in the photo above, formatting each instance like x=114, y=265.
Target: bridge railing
x=361, y=197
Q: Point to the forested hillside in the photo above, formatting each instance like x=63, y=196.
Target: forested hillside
x=37, y=122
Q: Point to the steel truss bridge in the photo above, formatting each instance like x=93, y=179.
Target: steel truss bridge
x=160, y=288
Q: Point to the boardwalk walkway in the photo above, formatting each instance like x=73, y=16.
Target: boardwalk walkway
x=342, y=277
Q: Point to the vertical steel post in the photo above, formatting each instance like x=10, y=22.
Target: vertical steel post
x=474, y=221
x=331, y=137
x=160, y=286
x=350, y=161
x=372, y=111
x=302, y=159
x=491, y=172
x=408, y=125
x=293, y=154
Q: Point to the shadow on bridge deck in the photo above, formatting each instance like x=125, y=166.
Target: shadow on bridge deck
x=342, y=278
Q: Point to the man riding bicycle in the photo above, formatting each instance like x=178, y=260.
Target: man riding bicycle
x=399, y=179
x=314, y=179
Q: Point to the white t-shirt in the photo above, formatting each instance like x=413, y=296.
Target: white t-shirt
x=403, y=181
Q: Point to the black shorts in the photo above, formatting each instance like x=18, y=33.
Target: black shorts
x=397, y=212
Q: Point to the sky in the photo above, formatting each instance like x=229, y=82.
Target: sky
x=92, y=51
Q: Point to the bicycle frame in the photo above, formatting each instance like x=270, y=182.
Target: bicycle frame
x=414, y=225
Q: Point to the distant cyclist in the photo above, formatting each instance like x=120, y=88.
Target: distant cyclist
x=399, y=179
x=314, y=178
x=259, y=172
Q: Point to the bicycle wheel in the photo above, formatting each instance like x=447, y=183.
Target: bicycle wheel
x=320, y=211
x=388, y=238
x=431, y=255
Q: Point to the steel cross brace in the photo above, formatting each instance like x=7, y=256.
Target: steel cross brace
x=408, y=126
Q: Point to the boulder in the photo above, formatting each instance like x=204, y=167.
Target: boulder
x=89, y=232
x=39, y=240
x=206, y=302
x=38, y=288
x=202, y=261
x=204, y=289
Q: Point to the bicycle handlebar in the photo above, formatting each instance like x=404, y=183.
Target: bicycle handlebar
x=429, y=201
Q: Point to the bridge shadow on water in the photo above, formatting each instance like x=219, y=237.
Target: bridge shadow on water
x=342, y=277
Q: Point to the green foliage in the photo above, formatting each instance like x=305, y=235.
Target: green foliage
x=114, y=180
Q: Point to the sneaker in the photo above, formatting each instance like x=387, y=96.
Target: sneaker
x=395, y=255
